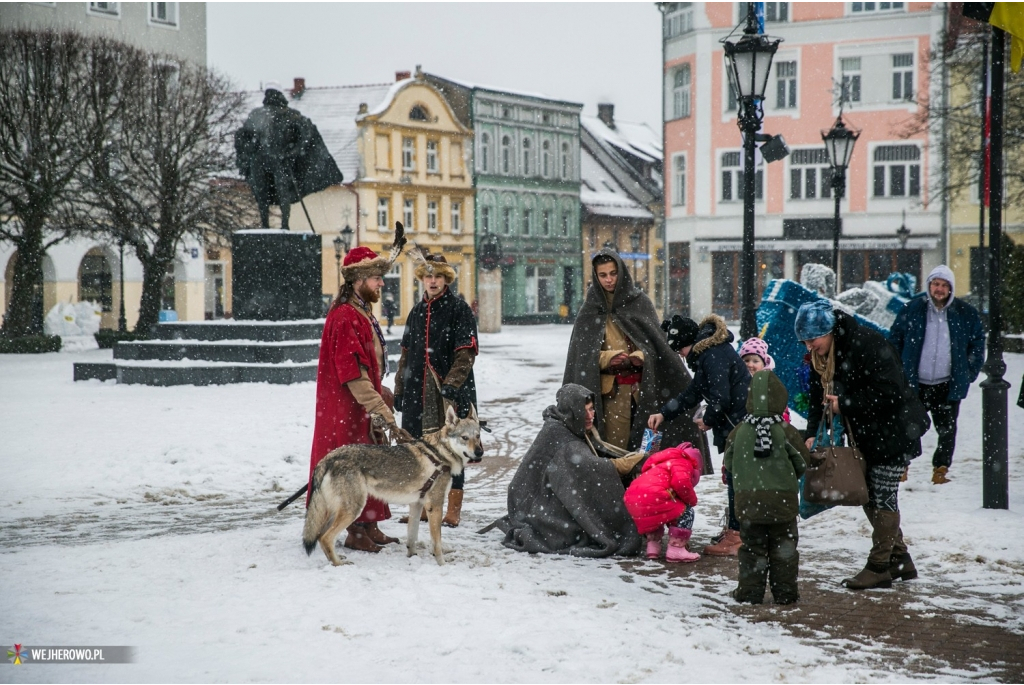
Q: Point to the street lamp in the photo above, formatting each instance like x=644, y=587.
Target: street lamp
x=903, y=233
x=342, y=244
x=839, y=142
x=122, y=321
x=634, y=243
x=750, y=60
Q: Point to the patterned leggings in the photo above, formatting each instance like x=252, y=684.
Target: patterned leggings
x=686, y=520
x=884, y=486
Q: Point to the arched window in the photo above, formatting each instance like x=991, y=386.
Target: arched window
x=506, y=154
x=526, y=156
x=565, y=161
x=418, y=113
x=485, y=151
x=95, y=282
x=681, y=92
x=545, y=158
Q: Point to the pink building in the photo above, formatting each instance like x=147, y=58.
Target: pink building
x=875, y=55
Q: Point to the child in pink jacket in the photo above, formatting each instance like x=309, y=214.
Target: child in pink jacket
x=664, y=493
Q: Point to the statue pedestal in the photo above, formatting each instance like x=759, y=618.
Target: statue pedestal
x=276, y=275
x=488, y=286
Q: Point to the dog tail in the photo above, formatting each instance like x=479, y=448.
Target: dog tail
x=318, y=518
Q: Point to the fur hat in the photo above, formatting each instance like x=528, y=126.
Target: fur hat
x=425, y=264
x=680, y=332
x=760, y=348
x=362, y=262
x=814, y=319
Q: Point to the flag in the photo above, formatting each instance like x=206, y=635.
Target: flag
x=1008, y=16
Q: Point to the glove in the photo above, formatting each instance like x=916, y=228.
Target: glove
x=398, y=403
x=449, y=392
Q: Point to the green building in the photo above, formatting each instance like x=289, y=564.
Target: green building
x=526, y=172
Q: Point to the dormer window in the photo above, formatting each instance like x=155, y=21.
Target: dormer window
x=418, y=113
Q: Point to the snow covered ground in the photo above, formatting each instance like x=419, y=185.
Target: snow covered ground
x=142, y=516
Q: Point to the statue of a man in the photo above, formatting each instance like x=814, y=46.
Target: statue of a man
x=282, y=156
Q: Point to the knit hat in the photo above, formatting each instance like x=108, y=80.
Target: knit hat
x=680, y=332
x=362, y=262
x=430, y=264
x=814, y=319
x=945, y=273
x=760, y=348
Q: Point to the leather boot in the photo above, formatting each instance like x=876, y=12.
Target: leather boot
x=901, y=567
x=939, y=475
x=728, y=546
x=871, y=576
x=358, y=539
x=452, y=518
x=377, y=535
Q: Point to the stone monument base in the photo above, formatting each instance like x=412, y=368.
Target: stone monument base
x=276, y=275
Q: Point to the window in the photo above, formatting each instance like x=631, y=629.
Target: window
x=681, y=21
x=730, y=89
x=776, y=11
x=106, y=9
x=527, y=221
x=565, y=223
x=810, y=175
x=166, y=76
x=409, y=213
x=418, y=113
x=785, y=85
x=565, y=161
x=681, y=92
x=897, y=171
x=506, y=154
x=456, y=217
x=545, y=158
x=432, y=216
x=95, y=280
x=679, y=181
x=861, y=7
x=506, y=220
x=850, y=68
x=458, y=162
x=432, y=157
x=545, y=223
x=163, y=13
x=506, y=112
x=383, y=209
x=545, y=118
x=485, y=219
x=485, y=152
x=903, y=76
x=732, y=179
x=526, y=156
x=540, y=289
x=408, y=154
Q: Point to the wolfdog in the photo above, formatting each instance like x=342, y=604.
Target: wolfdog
x=416, y=473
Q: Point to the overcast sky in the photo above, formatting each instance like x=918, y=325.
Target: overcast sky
x=581, y=52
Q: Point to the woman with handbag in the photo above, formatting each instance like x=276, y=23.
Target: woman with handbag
x=856, y=374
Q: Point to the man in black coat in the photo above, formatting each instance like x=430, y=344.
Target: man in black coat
x=438, y=350
x=857, y=375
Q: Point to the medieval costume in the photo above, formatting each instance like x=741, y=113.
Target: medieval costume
x=625, y=321
x=438, y=350
x=353, y=362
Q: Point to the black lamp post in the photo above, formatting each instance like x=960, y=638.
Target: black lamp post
x=903, y=233
x=342, y=244
x=750, y=60
x=122, y=321
x=634, y=243
x=839, y=142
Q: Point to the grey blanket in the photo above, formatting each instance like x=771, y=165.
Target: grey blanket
x=564, y=499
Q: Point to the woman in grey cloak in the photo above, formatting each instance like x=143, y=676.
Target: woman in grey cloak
x=566, y=497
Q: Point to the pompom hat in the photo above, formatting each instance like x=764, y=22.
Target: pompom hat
x=680, y=332
x=760, y=348
x=814, y=319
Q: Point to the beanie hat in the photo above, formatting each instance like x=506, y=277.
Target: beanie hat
x=945, y=273
x=680, y=332
x=814, y=319
x=760, y=348
x=362, y=262
x=430, y=264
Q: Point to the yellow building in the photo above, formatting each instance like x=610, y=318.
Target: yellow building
x=415, y=168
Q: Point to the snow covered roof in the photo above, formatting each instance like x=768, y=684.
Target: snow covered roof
x=639, y=140
x=333, y=110
x=497, y=89
x=389, y=97
x=602, y=195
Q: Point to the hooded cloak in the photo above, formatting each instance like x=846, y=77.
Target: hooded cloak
x=664, y=375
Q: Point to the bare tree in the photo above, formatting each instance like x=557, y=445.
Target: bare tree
x=153, y=182
x=58, y=92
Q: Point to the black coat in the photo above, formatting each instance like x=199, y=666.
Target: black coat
x=720, y=378
x=434, y=331
x=872, y=395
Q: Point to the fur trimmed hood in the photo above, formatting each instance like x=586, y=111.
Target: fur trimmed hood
x=712, y=331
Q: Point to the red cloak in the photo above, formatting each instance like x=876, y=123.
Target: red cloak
x=346, y=344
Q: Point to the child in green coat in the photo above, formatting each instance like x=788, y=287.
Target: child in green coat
x=766, y=457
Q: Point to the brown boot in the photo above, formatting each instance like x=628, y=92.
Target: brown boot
x=423, y=516
x=871, y=576
x=452, y=518
x=939, y=475
x=728, y=546
x=377, y=535
x=358, y=539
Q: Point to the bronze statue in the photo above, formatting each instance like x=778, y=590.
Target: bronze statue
x=282, y=156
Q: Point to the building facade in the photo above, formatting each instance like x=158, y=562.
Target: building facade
x=526, y=171
x=871, y=57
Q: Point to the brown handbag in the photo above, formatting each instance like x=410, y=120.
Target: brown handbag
x=836, y=474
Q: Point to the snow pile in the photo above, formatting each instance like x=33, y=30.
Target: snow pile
x=73, y=319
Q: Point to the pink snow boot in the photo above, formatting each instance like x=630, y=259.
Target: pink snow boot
x=654, y=543
x=677, y=539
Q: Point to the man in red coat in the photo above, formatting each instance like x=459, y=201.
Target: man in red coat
x=353, y=362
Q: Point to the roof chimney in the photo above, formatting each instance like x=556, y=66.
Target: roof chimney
x=402, y=75
x=606, y=113
x=298, y=87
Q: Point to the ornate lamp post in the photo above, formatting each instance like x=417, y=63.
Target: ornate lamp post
x=342, y=244
x=903, y=233
x=634, y=243
x=750, y=60
x=839, y=142
x=122, y=321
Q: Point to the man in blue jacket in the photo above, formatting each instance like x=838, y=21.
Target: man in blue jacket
x=942, y=343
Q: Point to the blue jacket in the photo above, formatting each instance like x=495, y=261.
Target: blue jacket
x=966, y=334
